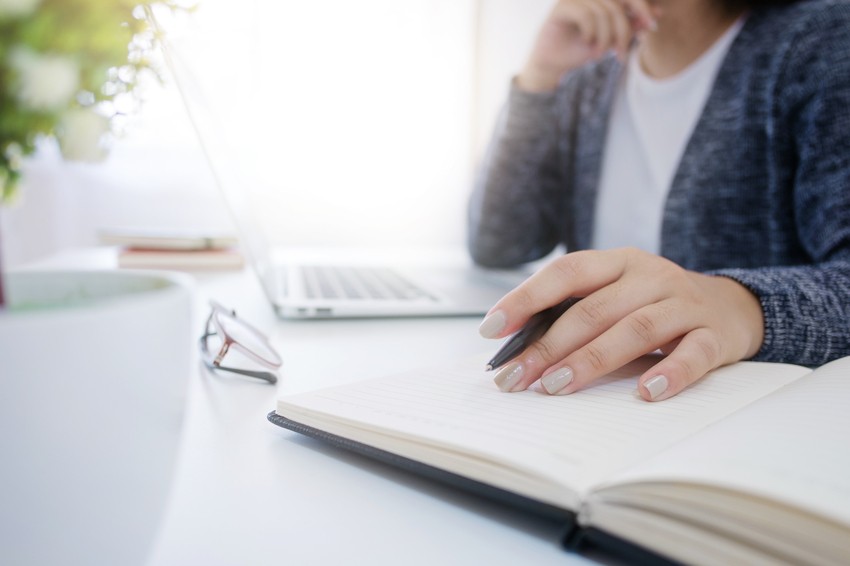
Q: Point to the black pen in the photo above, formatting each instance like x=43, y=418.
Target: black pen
x=536, y=327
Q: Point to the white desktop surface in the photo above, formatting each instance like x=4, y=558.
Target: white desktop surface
x=248, y=492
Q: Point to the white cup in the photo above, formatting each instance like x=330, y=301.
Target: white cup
x=93, y=374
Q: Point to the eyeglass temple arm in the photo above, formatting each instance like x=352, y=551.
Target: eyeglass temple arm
x=264, y=375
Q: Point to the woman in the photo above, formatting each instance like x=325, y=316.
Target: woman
x=701, y=149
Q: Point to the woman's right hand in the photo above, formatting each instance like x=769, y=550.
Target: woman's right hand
x=579, y=31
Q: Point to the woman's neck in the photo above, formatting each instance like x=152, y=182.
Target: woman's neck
x=686, y=30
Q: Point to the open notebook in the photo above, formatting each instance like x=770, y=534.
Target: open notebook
x=749, y=465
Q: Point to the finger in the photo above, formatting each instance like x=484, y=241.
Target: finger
x=585, y=321
x=602, y=26
x=642, y=14
x=576, y=14
x=589, y=331
x=576, y=274
x=595, y=21
x=601, y=310
x=641, y=332
x=622, y=31
x=667, y=349
x=699, y=352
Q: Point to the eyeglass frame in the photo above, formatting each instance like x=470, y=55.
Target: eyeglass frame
x=212, y=361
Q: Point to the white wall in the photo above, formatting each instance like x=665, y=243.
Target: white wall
x=506, y=33
x=349, y=133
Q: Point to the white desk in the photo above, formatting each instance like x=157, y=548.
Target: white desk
x=248, y=492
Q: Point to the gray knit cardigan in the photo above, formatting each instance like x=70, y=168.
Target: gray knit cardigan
x=761, y=195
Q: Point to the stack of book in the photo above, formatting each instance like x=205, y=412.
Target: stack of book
x=155, y=249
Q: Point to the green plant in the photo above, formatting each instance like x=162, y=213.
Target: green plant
x=68, y=68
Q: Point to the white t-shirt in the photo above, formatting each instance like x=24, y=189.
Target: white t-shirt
x=651, y=123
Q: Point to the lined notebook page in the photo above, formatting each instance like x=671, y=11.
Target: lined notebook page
x=463, y=423
x=793, y=447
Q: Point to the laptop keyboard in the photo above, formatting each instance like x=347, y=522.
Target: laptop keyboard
x=335, y=282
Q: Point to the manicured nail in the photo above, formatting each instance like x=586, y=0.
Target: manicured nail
x=507, y=377
x=554, y=382
x=656, y=386
x=492, y=324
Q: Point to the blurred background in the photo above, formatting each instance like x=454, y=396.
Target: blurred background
x=353, y=124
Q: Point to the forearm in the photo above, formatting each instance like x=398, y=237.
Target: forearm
x=513, y=218
x=806, y=311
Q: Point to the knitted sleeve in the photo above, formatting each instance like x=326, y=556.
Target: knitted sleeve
x=513, y=215
x=807, y=307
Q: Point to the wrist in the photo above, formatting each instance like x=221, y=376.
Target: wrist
x=746, y=306
x=535, y=80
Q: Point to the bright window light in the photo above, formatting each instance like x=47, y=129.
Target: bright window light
x=351, y=121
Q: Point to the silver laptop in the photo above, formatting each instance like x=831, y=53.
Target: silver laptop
x=316, y=289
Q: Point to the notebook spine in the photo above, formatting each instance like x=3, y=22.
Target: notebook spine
x=590, y=541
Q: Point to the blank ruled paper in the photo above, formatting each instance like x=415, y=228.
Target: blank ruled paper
x=462, y=422
x=792, y=447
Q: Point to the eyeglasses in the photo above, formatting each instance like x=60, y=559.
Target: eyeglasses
x=225, y=331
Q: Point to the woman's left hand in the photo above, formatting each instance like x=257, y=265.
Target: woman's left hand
x=633, y=303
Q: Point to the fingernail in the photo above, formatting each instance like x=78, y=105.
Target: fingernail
x=653, y=25
x=656, y=386
x=507, y=377
x=554, y=382
x=492, y=324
